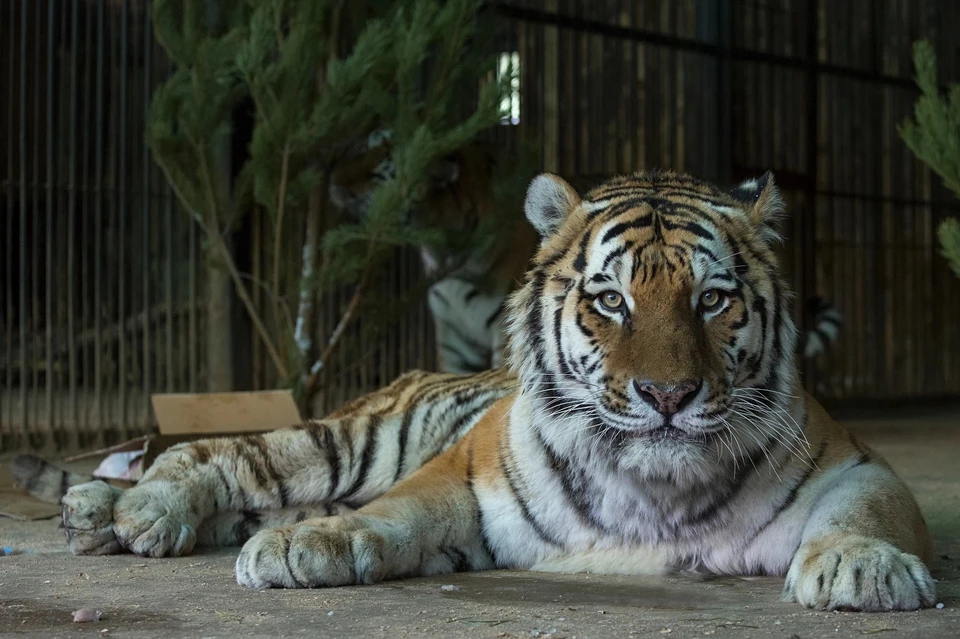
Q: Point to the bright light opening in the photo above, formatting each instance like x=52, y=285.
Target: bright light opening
x=509, y=67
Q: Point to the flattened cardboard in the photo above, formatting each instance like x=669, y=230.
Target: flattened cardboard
x=184, y=417
x=16, y=504
x=220, y=413
x=181, y=418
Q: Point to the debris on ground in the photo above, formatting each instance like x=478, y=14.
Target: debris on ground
x=85, y=615
x=450, y=588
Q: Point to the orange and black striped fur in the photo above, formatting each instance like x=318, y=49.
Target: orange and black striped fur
x=651, y=420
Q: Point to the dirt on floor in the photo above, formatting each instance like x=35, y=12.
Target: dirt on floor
x=197, y=596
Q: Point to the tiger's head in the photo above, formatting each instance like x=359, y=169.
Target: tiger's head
x=654, y=321
x=455, y=197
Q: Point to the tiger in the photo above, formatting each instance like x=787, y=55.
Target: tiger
x=650, y=420
x=467, y=303
x=466, y=300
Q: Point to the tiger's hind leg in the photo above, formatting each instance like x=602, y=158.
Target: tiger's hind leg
x=350, y=460
x=216, y=479
x=88, y=520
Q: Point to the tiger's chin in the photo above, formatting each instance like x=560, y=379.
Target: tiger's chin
x=667, y=453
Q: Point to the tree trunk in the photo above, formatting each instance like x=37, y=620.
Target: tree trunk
x=219, y=369
x=306, y=326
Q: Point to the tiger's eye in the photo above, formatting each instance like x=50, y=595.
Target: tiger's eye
x=611, y=300
x=711, y=299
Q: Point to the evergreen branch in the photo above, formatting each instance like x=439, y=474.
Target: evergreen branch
x=309, y=386
x=278, y=226
x=275, y=298
x=175, y=187
x=241, y=290
x=949, y=235
x=447, y=61
x=934, y=137
x=321, y=75
x=231, y=267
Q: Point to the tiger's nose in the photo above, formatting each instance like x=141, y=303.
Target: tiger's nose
x=666, y=398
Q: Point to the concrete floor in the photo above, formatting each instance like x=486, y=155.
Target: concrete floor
x=197, y=597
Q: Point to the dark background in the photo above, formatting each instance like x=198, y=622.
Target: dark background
x=102, y=286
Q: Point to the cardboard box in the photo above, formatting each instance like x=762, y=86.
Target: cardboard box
x=190, y=416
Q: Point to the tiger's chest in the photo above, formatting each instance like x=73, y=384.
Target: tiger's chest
x=723, y=528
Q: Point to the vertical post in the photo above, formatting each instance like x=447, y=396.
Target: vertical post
x=146, y=194
x=550, y=94
x=73, y=280
x=220, y=319
x=122, y=190
x=218, y=358
x=98, y=232
x=48, y=310
x=809, y=214
x=713, y=27
x=25, y=351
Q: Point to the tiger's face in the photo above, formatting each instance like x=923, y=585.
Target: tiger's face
x=455, y=196
x=654, y=315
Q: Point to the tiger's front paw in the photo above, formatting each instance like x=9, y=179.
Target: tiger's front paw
x=155, y=519
x=858, y=573
x=328, y=552
x=87, y=511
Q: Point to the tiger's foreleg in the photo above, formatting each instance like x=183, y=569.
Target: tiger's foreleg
x=428, y=524
x=862, y=546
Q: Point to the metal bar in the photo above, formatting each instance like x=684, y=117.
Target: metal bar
x=72, y=221
x=34, y=436
x=168, y=286
x=192, y=317
x=147, y=196
x=8, y=187
x=24, y=273
x=84, y=434
x=49, y=225
x=809, y=229
x=122, y=194
x=98, y=225
x=685, y=44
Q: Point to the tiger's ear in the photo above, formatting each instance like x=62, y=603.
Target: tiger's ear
x=765, y=207
x=550, y=199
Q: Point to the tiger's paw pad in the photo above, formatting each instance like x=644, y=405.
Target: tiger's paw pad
x=858, y=573
x=87, y=513
x=154, y=520
x=312, y=555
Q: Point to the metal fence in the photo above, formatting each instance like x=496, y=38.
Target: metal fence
x=103, y=297
x=811, y=89
x=100, y=293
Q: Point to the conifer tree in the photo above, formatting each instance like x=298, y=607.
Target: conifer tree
x=934, y=137
x=321, y=75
